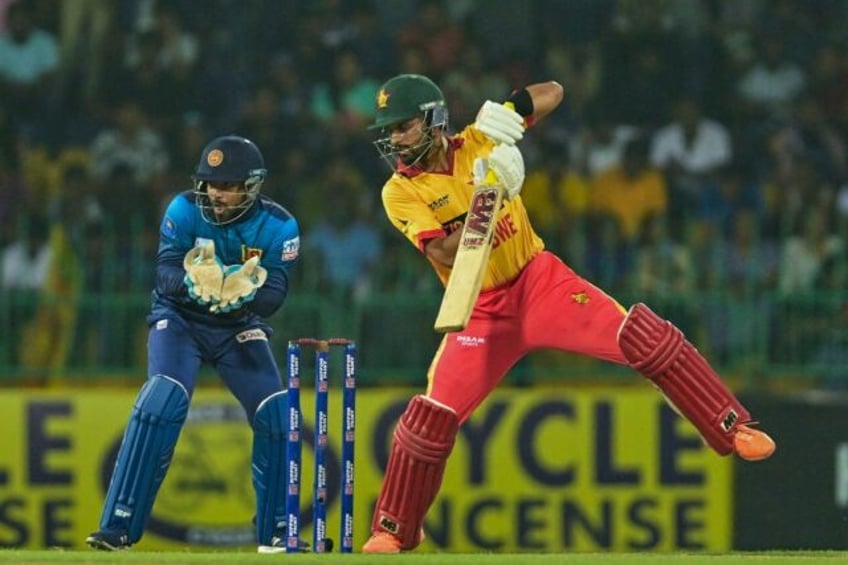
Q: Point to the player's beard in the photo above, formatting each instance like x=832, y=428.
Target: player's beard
x=411, y=155
x=225, y=212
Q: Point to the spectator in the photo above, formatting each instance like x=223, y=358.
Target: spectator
x=345, y=238
x=346, y=100
x=131, y=142
x=631, y=191
x=773, y=82
x=805, y=252
x=432, y=31
x=470, y=81
x=84, y=26
x=12, y=189
x=600, y=143
x=26, y=260
x=29, y=61
x=663, y=265
x=809, y=134
x=556, y=197
x=691, y=151
x=609, y=258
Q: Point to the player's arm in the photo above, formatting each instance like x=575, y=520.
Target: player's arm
x=544, y=99
x=280, y=257
x=271, y=295
x=175, y=240
x=443, y=249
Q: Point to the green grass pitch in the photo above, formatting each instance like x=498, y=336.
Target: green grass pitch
x=176, y=558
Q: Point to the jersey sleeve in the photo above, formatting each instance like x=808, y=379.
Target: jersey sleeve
x=410, y=214
x=281, y=255
x=176, y=237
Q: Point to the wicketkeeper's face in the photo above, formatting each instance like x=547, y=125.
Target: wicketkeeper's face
x=226, y=199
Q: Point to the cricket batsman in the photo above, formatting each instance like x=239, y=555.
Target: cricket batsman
x=224, y=254
x=530, y=299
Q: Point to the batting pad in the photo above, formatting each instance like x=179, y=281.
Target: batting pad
x=657, y=349
x=423, y=440
x=157, y=418
x=270, y=427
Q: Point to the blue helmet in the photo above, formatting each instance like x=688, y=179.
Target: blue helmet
x=229, y=159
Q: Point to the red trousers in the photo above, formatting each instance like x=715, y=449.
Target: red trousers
x=547, y=306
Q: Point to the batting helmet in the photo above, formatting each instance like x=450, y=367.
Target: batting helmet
x=407, y=96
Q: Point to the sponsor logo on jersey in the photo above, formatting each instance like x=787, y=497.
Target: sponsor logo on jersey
x=250, y=252
x=439, y=202
x=291, y=249
x=251, y=335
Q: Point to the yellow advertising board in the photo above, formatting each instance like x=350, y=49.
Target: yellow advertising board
x=534, y=470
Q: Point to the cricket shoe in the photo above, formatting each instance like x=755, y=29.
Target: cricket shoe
x=108, y=540
x=384, y=542
x=278, y=545
x=751, y=444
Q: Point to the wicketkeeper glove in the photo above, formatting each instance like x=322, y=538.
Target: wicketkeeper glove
x=507, y=163
x=240, y=285
x=500, y=123
x=204, y=274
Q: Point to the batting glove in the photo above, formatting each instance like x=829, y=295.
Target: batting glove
x=240, y=285
x=507, y=163
x=204, y=276
x=500, y=123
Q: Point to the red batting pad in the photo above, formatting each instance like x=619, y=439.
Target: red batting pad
x=657, y=349
x=423, y=440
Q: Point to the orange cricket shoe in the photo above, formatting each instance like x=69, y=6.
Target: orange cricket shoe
x=751, y=444
x=384, y=542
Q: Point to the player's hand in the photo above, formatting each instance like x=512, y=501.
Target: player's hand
x=507, y=163
x=204, y=276
x=240, y=285
x=500, y=123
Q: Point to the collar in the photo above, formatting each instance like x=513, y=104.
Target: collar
x=412, y=171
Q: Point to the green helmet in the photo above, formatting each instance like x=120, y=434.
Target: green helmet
x=407, y=96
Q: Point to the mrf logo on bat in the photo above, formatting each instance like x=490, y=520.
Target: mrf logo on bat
x=480, y=217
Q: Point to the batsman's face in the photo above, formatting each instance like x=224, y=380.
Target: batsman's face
x=226, y=199
x=407, y=139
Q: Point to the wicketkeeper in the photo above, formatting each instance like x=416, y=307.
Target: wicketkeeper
x=224, y=253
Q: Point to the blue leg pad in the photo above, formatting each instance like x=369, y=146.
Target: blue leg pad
x=145, y=454
x=270, y=427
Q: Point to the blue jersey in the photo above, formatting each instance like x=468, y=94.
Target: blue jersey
x=267, y=230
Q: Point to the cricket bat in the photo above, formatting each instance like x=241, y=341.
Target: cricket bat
x=472, y=255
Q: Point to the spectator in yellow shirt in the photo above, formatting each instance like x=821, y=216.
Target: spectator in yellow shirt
x=556, y=195
x=631, y=191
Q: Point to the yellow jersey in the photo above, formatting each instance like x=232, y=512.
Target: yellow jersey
x=424, y=205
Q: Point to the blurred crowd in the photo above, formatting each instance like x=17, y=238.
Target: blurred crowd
x=702, y=145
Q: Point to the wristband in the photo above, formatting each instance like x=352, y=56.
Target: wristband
x=522, y=102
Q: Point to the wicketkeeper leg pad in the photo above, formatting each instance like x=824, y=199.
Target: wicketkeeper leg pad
x=657, y=349
x=423, y=440
x=145, y=454
x=269, y=466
